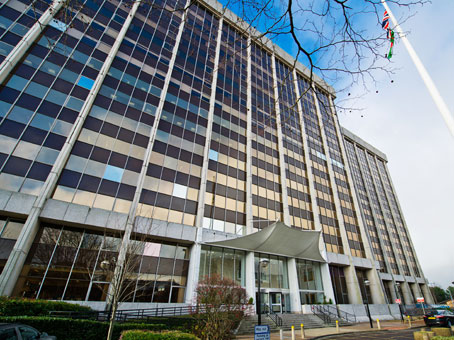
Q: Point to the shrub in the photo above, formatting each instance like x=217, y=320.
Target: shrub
x=20, y=307
x=147, y=335
x=223, y=302
x=443, y=338
x=76, y=329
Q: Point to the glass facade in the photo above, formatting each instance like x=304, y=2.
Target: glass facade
x=65, y=264
x=9, y=232
x=224, y=262
x=387, y=233
x=274, y=274
x=137, y=151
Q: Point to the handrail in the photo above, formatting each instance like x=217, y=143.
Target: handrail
x=276, y=318
x=126, y=314
x=321, y=313
x=331, y=312
x=348, y=317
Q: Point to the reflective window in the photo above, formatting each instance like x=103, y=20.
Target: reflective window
x=86, y=82
x=113, y=173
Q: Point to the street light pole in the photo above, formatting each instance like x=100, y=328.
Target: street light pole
x=262, y=263
x=367, y=284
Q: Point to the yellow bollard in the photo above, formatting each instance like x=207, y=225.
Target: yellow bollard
x=302, y=331
x=409, y=321
x=378, y=324
x=337, y=326
x=293, y=332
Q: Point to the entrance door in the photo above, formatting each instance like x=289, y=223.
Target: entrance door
x=276, y=303
x=264, y=302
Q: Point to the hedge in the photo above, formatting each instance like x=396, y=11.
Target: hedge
x=32, y=307
x=76, y=329
x=146, y=335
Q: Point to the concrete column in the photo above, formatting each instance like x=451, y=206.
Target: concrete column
x=194, y=260
x=327, y=283
x=295, y=299
x=408, y=299
x=249, y=215
x=193, y=270
x=326, y=277
x=392, y=289
x=250, y=276
x=416, y=290
x=428, y=297
x=29, y=38
x=19, y=253
x=280, y=146
x=354, y=292
x=375, y=284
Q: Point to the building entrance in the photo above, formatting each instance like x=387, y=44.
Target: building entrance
x=274, y=302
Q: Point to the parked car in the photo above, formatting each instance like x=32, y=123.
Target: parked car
x=439, y=317
x=17, y=331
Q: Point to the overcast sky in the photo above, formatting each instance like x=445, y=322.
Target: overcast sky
x=402, y=121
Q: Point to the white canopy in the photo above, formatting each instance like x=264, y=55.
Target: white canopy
x=279, y=239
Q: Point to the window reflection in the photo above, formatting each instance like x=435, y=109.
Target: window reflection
x=227, y=263
x=65, y=264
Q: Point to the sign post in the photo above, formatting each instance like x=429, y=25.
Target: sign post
x=400, y=310
x=262, y=332
x=421, y=300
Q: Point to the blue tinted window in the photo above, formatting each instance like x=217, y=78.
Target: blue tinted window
x=17, y=83
x=20, y=115
x=213, y=155
x=42, y=122
x=36, y=90
x=86, y=82
x=113, y=173
x=61, y=26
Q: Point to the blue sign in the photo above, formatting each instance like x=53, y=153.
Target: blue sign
x=262, y=332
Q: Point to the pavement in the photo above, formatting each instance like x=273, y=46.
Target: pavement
x=389, y=330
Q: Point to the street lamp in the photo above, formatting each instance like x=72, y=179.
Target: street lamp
x=367, y=284
x=262, y=263
x=397, y=286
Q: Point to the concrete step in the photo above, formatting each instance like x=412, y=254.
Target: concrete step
x=288, y=320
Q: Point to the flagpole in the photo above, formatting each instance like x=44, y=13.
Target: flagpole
x=439, y=102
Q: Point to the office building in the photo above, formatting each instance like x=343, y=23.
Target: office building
x=174, y=135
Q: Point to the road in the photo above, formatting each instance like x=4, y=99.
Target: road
x=385, y=335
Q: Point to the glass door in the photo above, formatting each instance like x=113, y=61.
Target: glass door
x=276, y=303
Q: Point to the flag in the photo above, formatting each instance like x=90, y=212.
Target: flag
x=391, y=39
x=385, y=22
x=389, y=33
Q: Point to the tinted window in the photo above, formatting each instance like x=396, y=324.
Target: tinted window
x=28, y=333
x=8, y=334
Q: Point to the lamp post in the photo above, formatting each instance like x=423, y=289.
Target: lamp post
x=262, y=263
x=397, y=286
x=367, y=284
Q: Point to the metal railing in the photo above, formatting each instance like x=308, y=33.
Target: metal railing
x=341, y=315
x=276, y=319
x=329, y=313
x=129, y=314
x=319, y=311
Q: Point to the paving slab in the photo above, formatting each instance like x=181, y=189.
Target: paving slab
x=389, y=330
